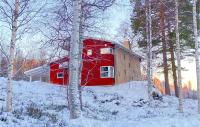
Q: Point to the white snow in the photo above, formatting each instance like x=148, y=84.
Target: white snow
x=44, y=105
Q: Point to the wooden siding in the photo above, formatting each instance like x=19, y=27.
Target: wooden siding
x=127, y=66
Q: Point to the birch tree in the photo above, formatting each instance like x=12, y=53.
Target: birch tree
x=196, y=51
x=149, y=47
x=11, y=56
x=178, y=54
x=16, y=16
x=74, y=71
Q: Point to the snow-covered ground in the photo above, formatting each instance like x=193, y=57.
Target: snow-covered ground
x=44, y=105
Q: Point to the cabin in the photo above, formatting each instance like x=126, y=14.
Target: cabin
x=103, y=63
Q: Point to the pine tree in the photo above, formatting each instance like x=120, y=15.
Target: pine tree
x=164, y=47
x=158, y=26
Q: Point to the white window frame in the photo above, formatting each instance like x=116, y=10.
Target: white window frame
x=106, y=51
x=60, y=73
x=64, y=65
x=89, y=52
x=110, y=72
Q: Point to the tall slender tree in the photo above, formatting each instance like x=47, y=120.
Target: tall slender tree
x=149, y=47
x=172, y=60
x=11, y=56
x=74, y=71
x=178, y=54
x=164, y=46
x=16, y=16
x=197, y=53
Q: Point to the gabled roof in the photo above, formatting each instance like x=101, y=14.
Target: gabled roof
x=60, y=60
x=118, y=46
x=39, y=71
x=128, y=51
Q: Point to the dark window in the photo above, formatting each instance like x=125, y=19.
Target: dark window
x=60, y=75
x=107, y=72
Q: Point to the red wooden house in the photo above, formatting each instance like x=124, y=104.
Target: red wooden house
x=104, y=63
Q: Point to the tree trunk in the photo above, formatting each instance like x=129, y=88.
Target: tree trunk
x=171, y=48
x=198, y=12
x=74, y=68
x=80, y=59
x=1, y=58
x=149, y=47
x=178, y=53
x=11, y=57
x=164, y=46
x=196, y=51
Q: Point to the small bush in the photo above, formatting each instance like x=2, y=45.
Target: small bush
x=18, y=113
x=34, y=111
x=4, y=119
x=156, y=96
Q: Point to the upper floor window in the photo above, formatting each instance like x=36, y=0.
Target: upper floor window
x=106, y=50
x=107, y=72
x=89, y=52
x=64, y=65
x=60, y=75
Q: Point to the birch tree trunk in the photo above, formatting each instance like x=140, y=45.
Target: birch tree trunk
x=178, y=53
x=149, y=47
x=74, y=67
x=1, y=70
x=80, y=57
x=196, y=51
x=11, y=56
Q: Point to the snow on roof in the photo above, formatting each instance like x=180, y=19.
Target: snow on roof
x=117, y=45
x=60, y=60
x=41, y=70
x=127, y=50
x=100, y=39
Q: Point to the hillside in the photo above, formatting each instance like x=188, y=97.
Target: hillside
x=44, y=105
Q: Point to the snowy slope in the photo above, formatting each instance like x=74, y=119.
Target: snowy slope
x=44, y=105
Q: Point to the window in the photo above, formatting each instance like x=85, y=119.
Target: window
x=64, y=65
x=60, y=75
x=89, y=52
x=106, y=50
x=107, y=72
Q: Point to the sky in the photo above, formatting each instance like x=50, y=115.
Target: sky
x=112, y=18
x=188, y=75
x=115, y=15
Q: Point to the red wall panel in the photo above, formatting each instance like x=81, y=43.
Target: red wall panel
x=92, y=64
x=54, y=70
